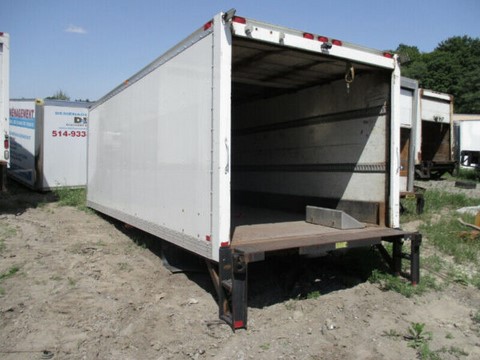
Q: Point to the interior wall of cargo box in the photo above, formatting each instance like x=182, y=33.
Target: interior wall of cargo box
x=324, y=145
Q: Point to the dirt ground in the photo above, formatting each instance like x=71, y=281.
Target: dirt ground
x=87, y=288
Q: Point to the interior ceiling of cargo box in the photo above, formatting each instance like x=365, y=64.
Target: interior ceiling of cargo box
x=262, y=70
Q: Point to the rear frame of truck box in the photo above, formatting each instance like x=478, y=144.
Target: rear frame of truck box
x=220, y=144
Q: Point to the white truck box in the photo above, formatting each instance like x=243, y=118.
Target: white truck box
x=409, y=122
x=220, y=144
x=48, y=143
x=435, y=139
x=4, y=97
x=467, y=139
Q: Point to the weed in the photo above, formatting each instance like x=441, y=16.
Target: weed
x=123, y=266
x=72, y=282
x=476, y=318
x=313, y=295
x=56, y=277
x=265, y=346
x=291, y=305
x=453, y=350
x=6, y=231
x=449, y=336
x=400, y=285
x=9, y=273
x=391, y=333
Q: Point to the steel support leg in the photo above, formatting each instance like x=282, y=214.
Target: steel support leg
x=397, y=256
x=233, y=290
x=415, y=241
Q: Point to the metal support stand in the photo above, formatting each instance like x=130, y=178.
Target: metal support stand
x=415, y=241
x=395, y=261
x=233, y=288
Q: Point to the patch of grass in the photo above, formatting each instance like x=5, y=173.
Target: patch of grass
x=72, y=282
x=6, y=231
x=449, y=336
x=123, y=266
x=56, y=277
x=419, y=339
x=391, y=334
x=396, y=283
x=467, y=174
x=446, y=235
x=72, y=197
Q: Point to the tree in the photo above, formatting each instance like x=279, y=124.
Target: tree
x=453, y=67
x=59, y=95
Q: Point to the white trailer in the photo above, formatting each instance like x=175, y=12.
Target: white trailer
x=4, y=97
x=248, y=139
x=467, y=139
x=435, y=139
x=48, y=143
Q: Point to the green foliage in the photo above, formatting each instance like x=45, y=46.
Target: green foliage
x=453, y=67
x=59, y=95
x=313, y=295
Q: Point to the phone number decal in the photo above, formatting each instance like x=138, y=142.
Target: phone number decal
x=65, y=133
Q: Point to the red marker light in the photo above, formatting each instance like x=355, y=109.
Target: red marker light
x=208, y=237
x=6, y=144
x=308, y=36
x=239, y=20
x=337, y=42
x=224, y=244
x=208, y=25
x=323, y=39
x=388, y=55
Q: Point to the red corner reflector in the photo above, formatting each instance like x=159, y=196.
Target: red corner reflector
x=224, y=244
x=337, y=42
x=323, y=39
x=238, y=324
x=388, y=55
x=208, y=25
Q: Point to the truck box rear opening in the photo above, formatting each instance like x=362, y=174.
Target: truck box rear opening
x=302, y=135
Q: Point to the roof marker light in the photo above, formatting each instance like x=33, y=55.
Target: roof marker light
x=208, y=25
x=388, y=55
x=308, y=36
x=337, y=42
x=239, y=20
x=323, y=39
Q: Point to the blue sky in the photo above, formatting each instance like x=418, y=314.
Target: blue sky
x=87, y=47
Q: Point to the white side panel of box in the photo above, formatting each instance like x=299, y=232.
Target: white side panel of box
x=22, y=141
x=64, y=147
x=150, y=151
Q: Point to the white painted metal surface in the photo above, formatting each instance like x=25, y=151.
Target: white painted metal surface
x=4, y=97
x=162, y=157
x=150, y=149
x=49, y=143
